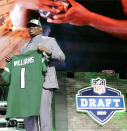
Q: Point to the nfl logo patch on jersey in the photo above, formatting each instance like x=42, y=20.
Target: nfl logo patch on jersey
x=100, y=101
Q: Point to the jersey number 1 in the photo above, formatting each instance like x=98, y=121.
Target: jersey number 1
x=23, y=78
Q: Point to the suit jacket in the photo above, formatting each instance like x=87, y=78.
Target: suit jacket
x=57, y=55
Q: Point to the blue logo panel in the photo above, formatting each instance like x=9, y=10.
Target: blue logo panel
x=99, y=101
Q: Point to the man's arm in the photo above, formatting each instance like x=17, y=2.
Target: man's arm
x=55, y=53
x=78, y=15
x=9, y=57
x=114, y=27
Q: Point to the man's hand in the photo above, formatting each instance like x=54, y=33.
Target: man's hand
x=42, y=48
x=76, y=15
x=9, y=57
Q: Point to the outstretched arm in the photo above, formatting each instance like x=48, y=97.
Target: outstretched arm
x=80, y=16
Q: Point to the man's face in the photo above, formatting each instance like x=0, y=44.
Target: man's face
x=34, y=30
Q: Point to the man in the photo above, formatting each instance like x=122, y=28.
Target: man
x=51, y=48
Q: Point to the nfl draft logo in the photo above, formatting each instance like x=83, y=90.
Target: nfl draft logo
x=100, y=101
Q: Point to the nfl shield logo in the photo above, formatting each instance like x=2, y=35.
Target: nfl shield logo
x=99, y=85
x=99, y=101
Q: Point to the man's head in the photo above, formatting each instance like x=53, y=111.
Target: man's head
x=34, y=27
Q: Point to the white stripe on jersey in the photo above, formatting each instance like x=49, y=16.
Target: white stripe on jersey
x=43, y=59
x=45, y=54
x=6, y=69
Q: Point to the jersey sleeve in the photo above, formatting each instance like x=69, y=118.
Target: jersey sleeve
x=6, y=75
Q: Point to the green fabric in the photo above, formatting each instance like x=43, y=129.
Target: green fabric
x=25, y=100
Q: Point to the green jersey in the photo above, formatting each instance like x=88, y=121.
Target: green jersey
x=25, y=75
